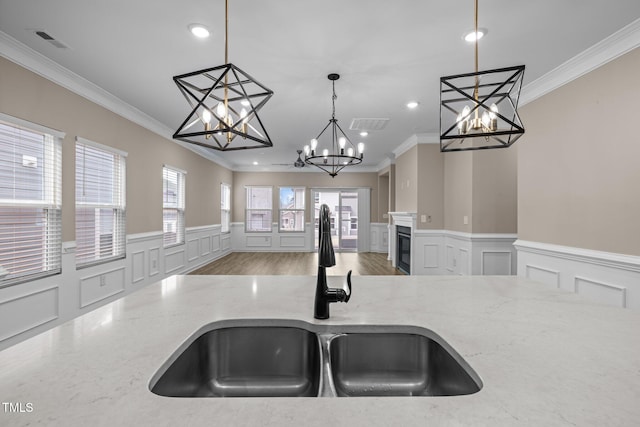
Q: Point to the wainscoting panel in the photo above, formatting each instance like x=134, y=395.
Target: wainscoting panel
x=379, y=237
x=464, y=262
x=602, y=292
x=215, y=243
x=205, y=246
x=154, y=261
x=101, y=286
x=451, y=258
x=241, y=241
x=193, y=249
x=604, y=277
x=430, y=256
x=496, y=263
x=25, y=312
x=137, y=267
x=258, y=241
x=293, y=241
x=543, y=275
x=174, y=261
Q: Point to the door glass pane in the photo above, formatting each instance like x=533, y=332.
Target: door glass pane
x=344, y=218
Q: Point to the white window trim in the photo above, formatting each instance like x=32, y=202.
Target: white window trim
x=52, y=194
x=246, y=210
x=227, y=210
x=119, y=233
x=280, y=210
x=33, y=126
x=183, y=209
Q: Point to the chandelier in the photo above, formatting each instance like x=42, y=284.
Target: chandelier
x=225, y=102
x=337, y=156
x=479, y=110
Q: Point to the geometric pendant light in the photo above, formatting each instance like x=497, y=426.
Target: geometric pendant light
x=225, y=102
x=479, y=110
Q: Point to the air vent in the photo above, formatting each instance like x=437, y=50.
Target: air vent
x=49, y=38
x=368, y=124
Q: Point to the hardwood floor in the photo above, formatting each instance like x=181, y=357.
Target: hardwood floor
x=298, y=263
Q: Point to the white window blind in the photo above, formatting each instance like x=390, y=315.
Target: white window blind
x=30, y=201
x=173, y=202
x=258, y=214
x=225, y=207
x=100, y=203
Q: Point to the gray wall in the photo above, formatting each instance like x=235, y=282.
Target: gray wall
x=579, y=162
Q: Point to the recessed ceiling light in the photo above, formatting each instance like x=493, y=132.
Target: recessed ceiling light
x=412, y=104
x=471, y=36
x=255, y=163
x=199, y=31
x=364, y=133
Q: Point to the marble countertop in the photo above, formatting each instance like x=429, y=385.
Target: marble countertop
x=545, y=357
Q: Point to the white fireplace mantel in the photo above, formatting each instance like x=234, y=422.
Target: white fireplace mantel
x=403, y=219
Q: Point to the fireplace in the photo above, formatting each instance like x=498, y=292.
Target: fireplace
x=403, y=249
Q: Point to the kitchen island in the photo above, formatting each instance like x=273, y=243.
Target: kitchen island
x=545, y=357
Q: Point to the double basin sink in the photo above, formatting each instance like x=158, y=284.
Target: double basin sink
x=287, y=358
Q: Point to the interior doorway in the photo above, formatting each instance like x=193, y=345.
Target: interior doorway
x=343, y=205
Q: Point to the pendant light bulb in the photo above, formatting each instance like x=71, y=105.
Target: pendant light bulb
x=206, y=117
x=325, y=153
x=350, y=151
x=493, y=111
x=465, y=112
x=314, y=144
x=221, y=111
x=342, y=141
x=306, y=150
x=360, y=148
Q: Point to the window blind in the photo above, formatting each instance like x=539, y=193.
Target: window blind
x=173, y=202
x=30, y=202
x=258, y=214
x=100, y=203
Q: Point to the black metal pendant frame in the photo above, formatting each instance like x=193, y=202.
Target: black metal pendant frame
x=338, y=159
x=479, y=91
x=226, y=84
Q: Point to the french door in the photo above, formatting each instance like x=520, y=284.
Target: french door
x=343, y=205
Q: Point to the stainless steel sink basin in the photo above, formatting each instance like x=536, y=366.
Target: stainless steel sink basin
x=245, y=362
x=396, y=364
x=287, y=358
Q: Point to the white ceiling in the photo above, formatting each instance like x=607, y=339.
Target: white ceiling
x=387, y=52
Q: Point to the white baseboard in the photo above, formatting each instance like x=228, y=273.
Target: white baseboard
x=604, y=277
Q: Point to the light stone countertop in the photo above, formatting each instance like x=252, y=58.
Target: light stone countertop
x=546, y=358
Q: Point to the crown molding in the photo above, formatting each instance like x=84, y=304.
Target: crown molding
x=617, y=44
x=23, y=55
x=415, y=139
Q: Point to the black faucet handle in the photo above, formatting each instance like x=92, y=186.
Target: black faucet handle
x=348, y=286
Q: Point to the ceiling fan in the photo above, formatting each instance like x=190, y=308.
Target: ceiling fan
x=299, y=163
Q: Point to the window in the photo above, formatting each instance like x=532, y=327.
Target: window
x=100, y=203
x=30, y=201
x=225, y=207
x=292, y=208
x=173, y=206
x=258, y=213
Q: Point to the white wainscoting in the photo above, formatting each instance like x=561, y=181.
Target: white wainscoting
x=379, y=237
x=30, y=308
x=275, y=241
x=444, y=252
x=604, y=277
